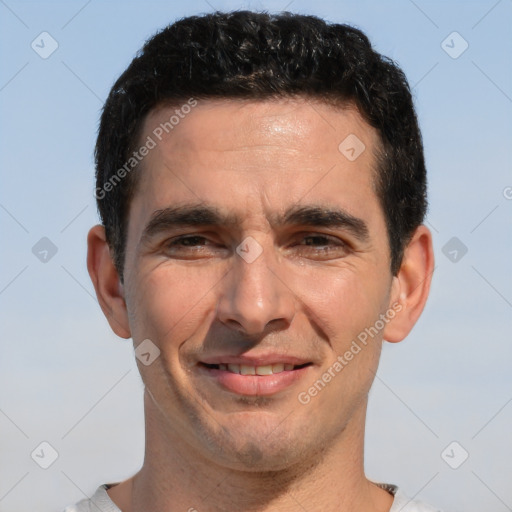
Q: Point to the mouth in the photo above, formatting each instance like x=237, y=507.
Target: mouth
x=261, y=370
x=254, y=380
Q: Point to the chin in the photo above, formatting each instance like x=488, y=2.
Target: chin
x=256, y=443
x=254, y=458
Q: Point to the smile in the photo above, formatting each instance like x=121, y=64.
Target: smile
x=245, y=369
x=254, y=380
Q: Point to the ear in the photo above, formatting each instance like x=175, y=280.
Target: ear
x=105, y=278
x=411, y=285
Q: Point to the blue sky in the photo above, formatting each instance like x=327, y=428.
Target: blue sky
x=67, y=380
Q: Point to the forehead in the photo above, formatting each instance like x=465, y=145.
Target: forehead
x=256, y=153
x=279, y=126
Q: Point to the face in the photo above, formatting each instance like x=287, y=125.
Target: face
x=256, y=255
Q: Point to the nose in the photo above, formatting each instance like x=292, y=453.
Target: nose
x=255, y=296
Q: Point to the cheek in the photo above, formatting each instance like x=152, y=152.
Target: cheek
x=171, y=302
x=342, y=302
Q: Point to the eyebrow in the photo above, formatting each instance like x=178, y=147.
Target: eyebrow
x=202, y=215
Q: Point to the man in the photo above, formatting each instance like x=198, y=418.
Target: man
x=262, y=188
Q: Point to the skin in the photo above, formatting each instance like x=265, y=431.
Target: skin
x=211, y=449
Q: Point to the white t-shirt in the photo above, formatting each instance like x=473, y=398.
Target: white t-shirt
x=101, y=502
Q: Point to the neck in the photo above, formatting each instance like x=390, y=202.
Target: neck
x=175, y=476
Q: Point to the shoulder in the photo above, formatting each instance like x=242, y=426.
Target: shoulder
x=402, y=503
x=100, y=501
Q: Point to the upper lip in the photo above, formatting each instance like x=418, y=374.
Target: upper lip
x=260, y=360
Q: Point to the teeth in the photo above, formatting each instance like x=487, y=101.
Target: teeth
x=264, y=370
x=244, y=369
x=278, y=368
x=247, y=370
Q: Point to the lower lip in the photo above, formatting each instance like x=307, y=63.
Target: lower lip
x=255, y=385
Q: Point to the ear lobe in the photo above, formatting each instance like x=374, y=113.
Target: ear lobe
x=411, y=285
x=107, y=284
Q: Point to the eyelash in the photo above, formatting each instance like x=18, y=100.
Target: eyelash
x=335, y=242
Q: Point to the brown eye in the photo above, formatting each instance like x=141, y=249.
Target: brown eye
x=191, y=247
x=323, y=240
x=187, y=241
x=317, y=240
x=319, y=246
